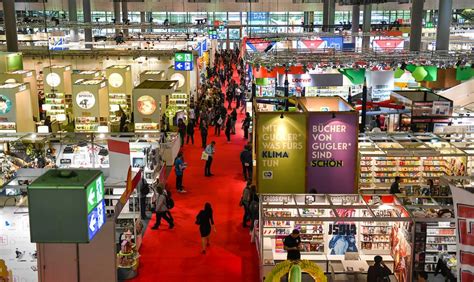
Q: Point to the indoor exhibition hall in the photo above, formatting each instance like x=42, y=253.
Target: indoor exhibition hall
x=237, y=140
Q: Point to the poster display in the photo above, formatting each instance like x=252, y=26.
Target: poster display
x=146, y=105
x=332, y=152
x=280, y=147
x=5, y=105
x=85, y=100
x=17, y=254
x=382, y=84
x=464, y=212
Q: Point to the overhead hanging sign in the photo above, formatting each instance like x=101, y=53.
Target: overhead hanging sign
x=388, y=45
x=311, y=80
x=332, y=152
x=464, y=212
x=183, y=61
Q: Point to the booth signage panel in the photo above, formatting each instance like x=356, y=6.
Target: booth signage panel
x=96, y=219
x=75, y=212
x=95, y=193
x=312, y=80
x=281, y=146
x=332, y=152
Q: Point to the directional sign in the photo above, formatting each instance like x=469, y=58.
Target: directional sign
x=183, y=57
x=96, y=219
x=95, y=193
x=183, y=66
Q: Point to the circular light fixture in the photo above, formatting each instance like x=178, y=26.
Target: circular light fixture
x=115, y=80
x=53, y=79
x=146, y=105
x=85, y=100
x=5, y=104
x=179, y=77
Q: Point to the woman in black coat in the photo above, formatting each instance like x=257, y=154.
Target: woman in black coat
x=205, y=219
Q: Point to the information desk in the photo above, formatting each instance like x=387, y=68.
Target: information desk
x=337, y=228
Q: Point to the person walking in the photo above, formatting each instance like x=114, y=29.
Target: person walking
x=181, y=130
x=203, y=128
x=190, y=132
x=218, y=121
x=233, y=116
x=245, y=203
x=161, y=210
x=247, y=163
x=253, y=208
x=205, y=220
x=228, y=127
x=144, y=190
x=210, y=150
x=179, y=167
x=192, y=115
x=246, y=125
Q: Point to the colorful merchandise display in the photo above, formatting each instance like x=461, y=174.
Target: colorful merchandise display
x=335, y=228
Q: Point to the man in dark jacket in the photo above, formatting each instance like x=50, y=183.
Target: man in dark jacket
x=190, y=132
x=246, y=160
x=379, y=271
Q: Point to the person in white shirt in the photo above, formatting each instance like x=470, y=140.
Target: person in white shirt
x=210, y=150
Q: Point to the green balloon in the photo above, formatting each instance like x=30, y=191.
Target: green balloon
x=419, y=74
x=399, y=72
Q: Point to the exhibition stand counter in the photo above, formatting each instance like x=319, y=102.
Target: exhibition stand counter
x=341, y=233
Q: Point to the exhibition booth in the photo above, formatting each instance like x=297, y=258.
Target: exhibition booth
x=57, y=89
x=415, y=158
x=90, y=105
x=16, y=113
x=150, y=99
x=340, y=233
x=316, y=139
x=435, y=231
x=24, y=76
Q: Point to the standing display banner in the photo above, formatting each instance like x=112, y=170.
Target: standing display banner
x=464, y=211
x=332, y=152
x=280, y=148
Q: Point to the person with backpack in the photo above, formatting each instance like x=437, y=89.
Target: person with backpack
x=144, y=190
x=253, y=207
x=205, y=220
x=179, y=167
x=247, y=163
x=245, y=203
x=162, y=210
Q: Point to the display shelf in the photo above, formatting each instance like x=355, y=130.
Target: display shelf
x=54, y=104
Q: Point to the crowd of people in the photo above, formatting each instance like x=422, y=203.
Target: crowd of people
x=219, y=99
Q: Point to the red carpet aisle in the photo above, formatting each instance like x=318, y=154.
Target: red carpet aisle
x=174, y=255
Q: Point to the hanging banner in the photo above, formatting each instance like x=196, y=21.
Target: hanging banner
x=310, y=44
x=332, y=152
x=335, y=42
x=356, y=76
x=464, y=212
x=259, y=45
x=388, y=45
x=280, y=146
x=310, y=80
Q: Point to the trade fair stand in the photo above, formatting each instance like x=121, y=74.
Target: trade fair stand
x=340, y=233
x=104, y=247
x=416, y=158
x=435, y=232
x=314, y=137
